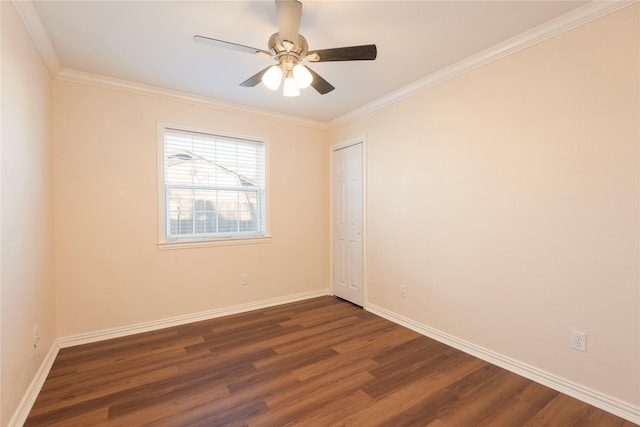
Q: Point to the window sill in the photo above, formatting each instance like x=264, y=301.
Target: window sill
x=166, y=246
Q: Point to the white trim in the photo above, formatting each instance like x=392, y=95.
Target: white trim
x=234, y=241
x=348, y=143
x=580, y=16
x=25, y=406
x=334, y=147
x=105, y=334
x=31, y=19
x=163, y=243
x=74, y=76
x=162, y=219
x=592, y=397
x=2, y=144
x=364, y=222
x=559, y=25
x=23, y=409
x=578, y=391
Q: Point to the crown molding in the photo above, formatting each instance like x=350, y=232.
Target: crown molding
x=32, y=22
x=580, y=16
x=75, y=76
x=31, y=19
x=559, y=25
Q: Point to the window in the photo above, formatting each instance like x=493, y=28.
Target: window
x=214, y=186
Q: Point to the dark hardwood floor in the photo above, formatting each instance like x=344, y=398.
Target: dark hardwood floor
x=320, y=362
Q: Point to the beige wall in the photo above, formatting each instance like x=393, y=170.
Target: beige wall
x=507, y=200
x=26, y=218
x=109, y=272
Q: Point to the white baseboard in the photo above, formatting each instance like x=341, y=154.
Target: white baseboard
x=592, y=397
x=607, y=403
x=32, y=392
x=21, y=414
x=105, y=334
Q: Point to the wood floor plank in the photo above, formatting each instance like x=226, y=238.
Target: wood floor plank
x=318, y=362
x=179, y=411
x=487, y=402
x=392, y=377
x=337, y=410
x=522, y=407
x=84, y=377
x=98, y=391
x=333, y=336
x=295, y=410
x=89, y=418
x=387, y=338
x=309, y=386
x=339, y=360
x=413, y=391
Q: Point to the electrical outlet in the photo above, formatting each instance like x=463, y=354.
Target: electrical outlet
x=244, y=279
x=579, y=340
x=403, y=291
x=36, y=336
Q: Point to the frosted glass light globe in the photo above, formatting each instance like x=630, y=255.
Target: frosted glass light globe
x=272, y=77
x=290, y=86
x=302, y=76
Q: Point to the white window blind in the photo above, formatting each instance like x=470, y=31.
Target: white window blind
x=214, y=186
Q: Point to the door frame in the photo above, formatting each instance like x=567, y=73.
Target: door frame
x=334, y=147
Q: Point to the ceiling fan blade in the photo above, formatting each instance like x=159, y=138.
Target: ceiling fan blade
x=255, y=79
x=229, y=45
x=365, y=52
x=320, y=84
x=289, y=13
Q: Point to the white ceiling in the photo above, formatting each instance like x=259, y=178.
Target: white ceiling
x=151, y=42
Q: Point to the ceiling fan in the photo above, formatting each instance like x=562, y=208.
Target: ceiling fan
x=289, y=48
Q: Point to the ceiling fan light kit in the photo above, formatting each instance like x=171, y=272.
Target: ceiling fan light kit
x=290, y=86
x=297, y=78
x=290, y=48
x=272, y=77
x=302, y=76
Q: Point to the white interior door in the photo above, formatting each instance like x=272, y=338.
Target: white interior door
x=347, y=224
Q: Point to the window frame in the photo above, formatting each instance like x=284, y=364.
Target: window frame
x=194, y=241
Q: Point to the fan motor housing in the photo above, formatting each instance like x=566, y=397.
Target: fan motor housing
x=279, y=48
